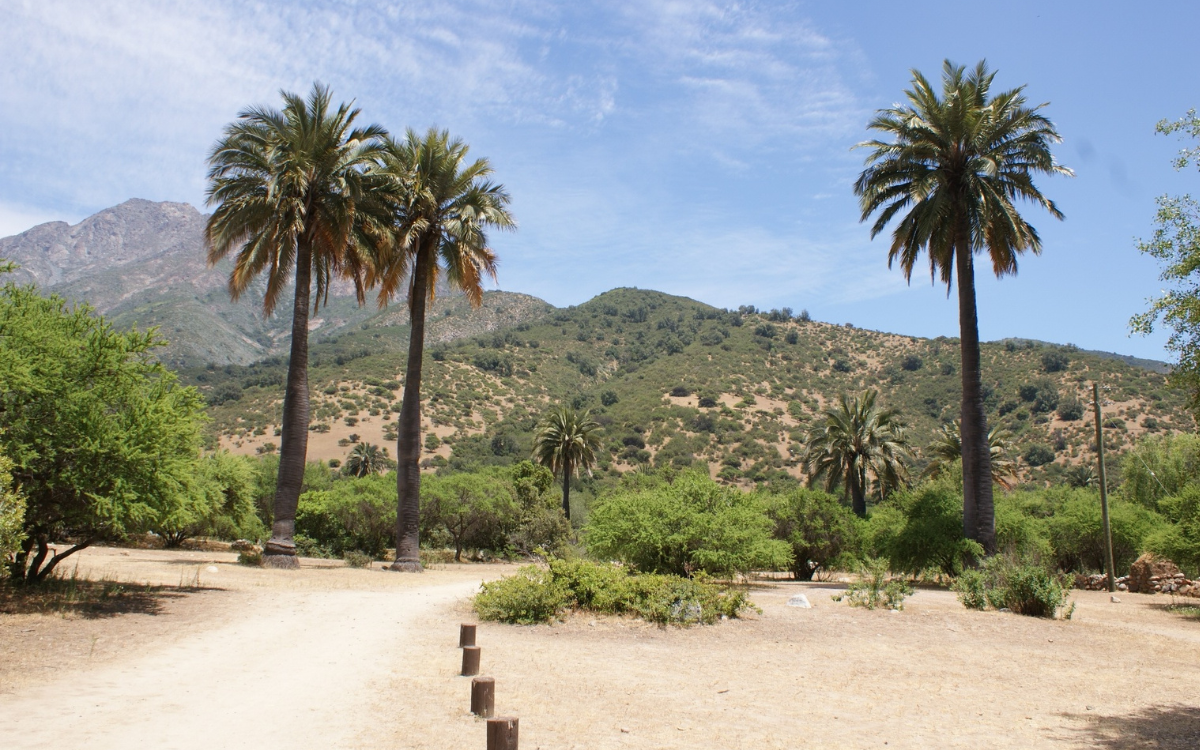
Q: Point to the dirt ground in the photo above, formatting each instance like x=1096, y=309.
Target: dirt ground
x=331, y=657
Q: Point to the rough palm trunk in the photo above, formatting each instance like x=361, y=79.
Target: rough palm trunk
x=858, y=495
x=978, y=512
x=567, y=488
x=408, y=443
x=280, y=550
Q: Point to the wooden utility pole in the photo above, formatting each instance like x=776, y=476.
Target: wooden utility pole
x=1108, y=553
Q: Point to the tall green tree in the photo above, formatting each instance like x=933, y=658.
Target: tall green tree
x=102, y=439
x=442, y=208
x=366, y=459
x=293, y=201
x=951, y=169
x=566, y=442
x=946, y=449
x=1176, y=246
x=856, y=442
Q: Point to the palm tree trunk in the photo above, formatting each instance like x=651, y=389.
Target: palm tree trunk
x=280, y=550
x=858, y=496
x=408, y=443
x=978, y=511
x=567, y=488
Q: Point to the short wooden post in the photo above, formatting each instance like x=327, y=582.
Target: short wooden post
x=502, y=733
x=466, y=635
x=483, y=697
x=470, y=663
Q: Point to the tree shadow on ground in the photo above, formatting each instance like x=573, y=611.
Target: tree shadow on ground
x=87, y=599
x=1172, y=727
x=1188, y=609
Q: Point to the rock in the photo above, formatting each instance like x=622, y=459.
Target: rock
x=1147, y=571
x=799, y=600
x=211, y=569
x=1122, y=587
x=1114, y=600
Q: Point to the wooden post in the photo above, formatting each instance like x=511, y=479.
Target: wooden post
x=1108, y=551
x=483, y=697
x=502, y=733
x=466, y=635
x=470, y=662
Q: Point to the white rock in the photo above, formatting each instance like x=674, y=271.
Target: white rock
x=211, y=569
x=1114, y=600
x=799, y=600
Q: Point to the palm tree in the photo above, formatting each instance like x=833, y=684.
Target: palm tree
x=946, y=448
x=856, y=442
x=955, y=164
x=442, y=207
x=566, y=442
x=293, y=196
x=366, y=459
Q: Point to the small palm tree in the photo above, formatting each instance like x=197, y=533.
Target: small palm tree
x=856, y=442
x=951, y=169
x=566, y=443
x=293, y=200
x=442, y=206
x=946, y=449
x=366, y=459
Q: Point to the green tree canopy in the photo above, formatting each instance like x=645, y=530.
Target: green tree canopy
x=103, y=439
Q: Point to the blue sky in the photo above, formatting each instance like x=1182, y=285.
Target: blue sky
x=698, y=148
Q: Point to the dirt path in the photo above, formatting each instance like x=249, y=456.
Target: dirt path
x=329, y=657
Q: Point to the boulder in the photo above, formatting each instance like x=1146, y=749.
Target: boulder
x=1146, y=573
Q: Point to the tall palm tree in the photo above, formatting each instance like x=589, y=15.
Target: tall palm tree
x=292, y=197
x=366, y=459
x=952, y=166
x=946, y=448
x=442, y=207
x=856, y=442
x=566, y=443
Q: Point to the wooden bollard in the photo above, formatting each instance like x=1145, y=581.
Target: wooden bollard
x=502, y=733
x=466, y=635
x=483, y=697
x=470, y=664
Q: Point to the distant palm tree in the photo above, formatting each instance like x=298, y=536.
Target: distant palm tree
x=566, y=443
x=952, y=168
x=366, y=459
x=856, y=442
x=293, y=198
x=946, y=448
x=442, y=207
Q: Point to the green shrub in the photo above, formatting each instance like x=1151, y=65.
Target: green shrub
x=251, y=557
x=529, y=597
x=971, y=588
x=356, y=559
x=12, y=513
x=921, y=528
x=1179, y=542
x=354, y=514
x=537, y=595
x=689, y=525
x=1038, y=455
x=469, y=510
x=875, y=588
x=820, y=530
x=1076, y=531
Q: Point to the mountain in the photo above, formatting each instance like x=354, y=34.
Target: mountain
x=143, y=264
x=677, y=382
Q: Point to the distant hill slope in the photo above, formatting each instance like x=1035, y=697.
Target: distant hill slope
x=678, y=382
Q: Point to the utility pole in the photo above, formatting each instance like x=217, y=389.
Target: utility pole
x=1108, y=553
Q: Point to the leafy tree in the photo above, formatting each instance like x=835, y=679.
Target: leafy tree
x=219, y=502
x=946, y=450
x=566, y=443
x=477, y=510
x=820, y=530
x=1160, y=467
x=354, y=514
x=855, y=442
x=542, y=525
x=920, y=528
x=1176, y=246
x=12, y=513
x=102, y=438
x=689, y=525
x=293, y=198
x=365, y=459
x=952, y=169
x=442, y=207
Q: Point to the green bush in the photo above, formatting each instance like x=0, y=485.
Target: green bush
x=689, y=525
x=875, y=588
x=356, y=559
x=354, y=514
x=12, y=513
x=820, y=530
x=469, y=510
x=1024, y=587
x=1179, y=542
x=537, y=595
x=921, y=528
x=1076, y=531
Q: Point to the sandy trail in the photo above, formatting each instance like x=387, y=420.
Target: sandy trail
x=295, y=670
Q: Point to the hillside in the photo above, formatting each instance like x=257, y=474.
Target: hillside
x=674, y=381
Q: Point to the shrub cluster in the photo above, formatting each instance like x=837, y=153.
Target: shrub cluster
x=1006, y=582
x=537, y=594
x=875, y=588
